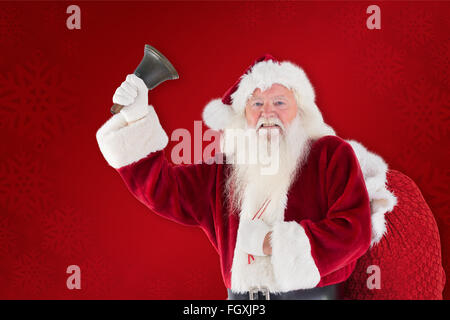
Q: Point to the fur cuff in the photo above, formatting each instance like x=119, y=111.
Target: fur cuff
x=293, y=265
x=374, y=170
x=122, y=143
x=251, y=236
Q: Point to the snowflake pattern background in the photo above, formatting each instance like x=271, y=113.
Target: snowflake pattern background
x=67, y=232
x=8, y=237
x=32, y=274
x=416, y=28
x=36, y=99
x=25, y=185
x=350, y=22
x=381, y=67
x=97, y=277
x=439, y=56
x=11, y=28
x=430, y=108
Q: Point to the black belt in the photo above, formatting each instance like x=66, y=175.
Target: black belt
x=318, y=293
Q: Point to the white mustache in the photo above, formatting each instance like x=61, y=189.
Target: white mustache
x=271, y=121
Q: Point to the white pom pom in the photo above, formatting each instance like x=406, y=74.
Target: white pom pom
x=217, y=115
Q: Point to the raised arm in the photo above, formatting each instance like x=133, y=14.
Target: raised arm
x=132, y=142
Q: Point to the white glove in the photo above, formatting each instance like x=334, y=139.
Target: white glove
x=250, y=237
x=133, y=95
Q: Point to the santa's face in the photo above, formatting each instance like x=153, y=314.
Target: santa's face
x=275, y=107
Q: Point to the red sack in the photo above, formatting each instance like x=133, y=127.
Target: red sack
x=408, y=256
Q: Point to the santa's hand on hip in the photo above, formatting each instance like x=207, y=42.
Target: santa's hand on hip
x=133, y=95
x=251, y=235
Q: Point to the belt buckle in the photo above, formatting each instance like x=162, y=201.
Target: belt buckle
x=254, y=293
x=266, y=293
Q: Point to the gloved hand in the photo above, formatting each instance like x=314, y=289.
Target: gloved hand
x=133, y=95
x=251, y=234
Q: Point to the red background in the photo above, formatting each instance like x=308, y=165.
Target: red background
x=60, y=202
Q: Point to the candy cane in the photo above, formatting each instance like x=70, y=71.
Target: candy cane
x=263, y=207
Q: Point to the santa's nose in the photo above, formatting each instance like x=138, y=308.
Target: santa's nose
x=268, y=111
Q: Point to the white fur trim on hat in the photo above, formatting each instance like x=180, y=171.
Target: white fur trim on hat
x=374, y=170
x=217, y=115
x=266, y=73
x=263, y=75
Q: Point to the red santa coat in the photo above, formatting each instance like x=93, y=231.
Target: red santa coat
x=326, y=227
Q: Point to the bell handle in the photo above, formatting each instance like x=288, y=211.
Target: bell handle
x=116, y=108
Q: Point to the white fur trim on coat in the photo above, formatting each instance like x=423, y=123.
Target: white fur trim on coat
x=217, y=115
x=374, y=170
x=293, y=265
x=122, y=144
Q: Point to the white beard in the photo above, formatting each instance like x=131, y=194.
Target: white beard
x=248, y=189
x=253, y=179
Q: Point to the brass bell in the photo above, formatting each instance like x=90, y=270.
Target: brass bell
x=153, y=70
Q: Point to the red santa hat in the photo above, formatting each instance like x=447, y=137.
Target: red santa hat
x=263, y=73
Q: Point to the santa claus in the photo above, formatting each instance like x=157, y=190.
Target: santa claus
x=289, y=225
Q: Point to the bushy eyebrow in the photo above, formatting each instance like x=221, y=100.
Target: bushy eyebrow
x=280, y=97
x=252, y=97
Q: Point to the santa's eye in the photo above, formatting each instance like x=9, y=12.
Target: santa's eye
x=257, y=104
x=279, y=103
